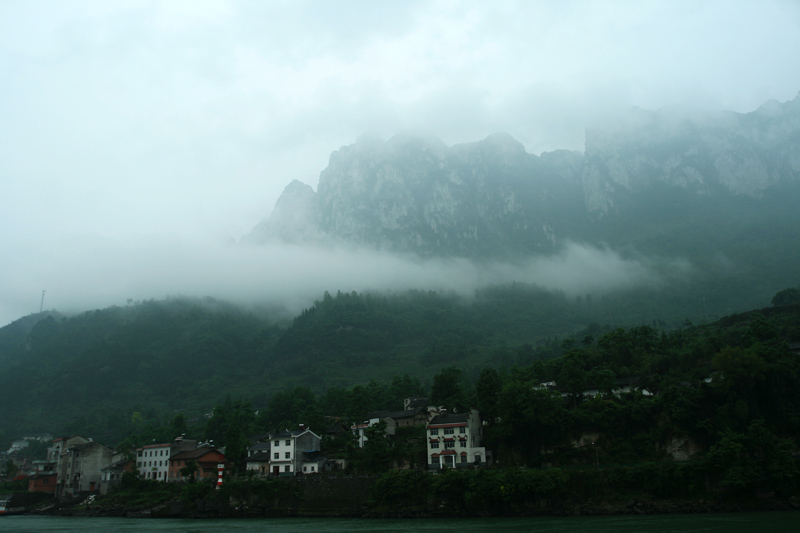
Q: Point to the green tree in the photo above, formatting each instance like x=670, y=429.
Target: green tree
x=11, y=469
x=377, y=456
x=531, y=421
x=448, y=390
x=786, y=297
x=179, y=424
x=573, y=375
x=487, y=390
x=403, y=387
x=190, y=470
x=236, y=446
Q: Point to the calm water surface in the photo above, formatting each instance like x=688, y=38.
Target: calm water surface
x=705, y=523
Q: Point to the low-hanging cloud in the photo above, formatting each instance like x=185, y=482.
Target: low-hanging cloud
x=90, y=273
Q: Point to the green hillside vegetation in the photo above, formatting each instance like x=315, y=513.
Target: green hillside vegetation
x=91, y=373
x=730, y=388
x=743, y=422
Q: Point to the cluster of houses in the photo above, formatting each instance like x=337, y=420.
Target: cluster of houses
x=453, y=440
x=76, y=465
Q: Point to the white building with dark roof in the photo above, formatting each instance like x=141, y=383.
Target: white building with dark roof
x=288, y=449
x=153, y=460
x=454, y=441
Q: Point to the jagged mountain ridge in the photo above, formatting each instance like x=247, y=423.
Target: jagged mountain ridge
x=491, y=197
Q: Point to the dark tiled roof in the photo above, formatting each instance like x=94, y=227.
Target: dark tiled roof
x=337, y=429
x=260, y=446
x=392, y=414
x=264, y=437
x=193, y=454
x=84, y=445
x=260, y=457
x=119, y=465
x=155, y=446
x=456, y=418
x=293, y=433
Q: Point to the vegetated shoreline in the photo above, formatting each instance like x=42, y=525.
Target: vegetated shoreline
x=351, y=498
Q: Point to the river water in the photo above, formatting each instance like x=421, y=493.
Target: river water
x=705, y=523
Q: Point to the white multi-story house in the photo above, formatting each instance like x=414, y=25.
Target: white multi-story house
x=454, y=441
x=291, y=449
x=152, y=461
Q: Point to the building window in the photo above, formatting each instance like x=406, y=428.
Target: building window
x=312, y=468
x=286, y=468
x=435, y=461
x=277, y=443
x=288, y=455
x=277, y=455
x=463, y=444
x=477, y=458
x=449, y=431
x=464, y=458
x=449, y=444
x=288, y=443
x=462, y=430
x=305, y=469
x=434, y=445
x=434, y=432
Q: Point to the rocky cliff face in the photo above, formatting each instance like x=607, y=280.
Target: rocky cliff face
x=728, y=153
x=490, y=197
x=293, y=219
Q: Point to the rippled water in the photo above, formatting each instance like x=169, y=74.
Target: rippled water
x=705, y=523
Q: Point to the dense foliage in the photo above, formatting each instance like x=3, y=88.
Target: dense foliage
x=728, y=385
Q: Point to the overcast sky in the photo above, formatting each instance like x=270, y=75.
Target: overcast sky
x=136, y=137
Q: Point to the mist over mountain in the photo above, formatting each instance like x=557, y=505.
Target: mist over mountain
x=437, y=255
x=645, y=182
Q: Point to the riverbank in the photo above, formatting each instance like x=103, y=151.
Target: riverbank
x=656, y=488
x=350, y=505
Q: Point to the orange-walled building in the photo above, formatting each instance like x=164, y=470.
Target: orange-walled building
x=206, y=458
x=42, y=483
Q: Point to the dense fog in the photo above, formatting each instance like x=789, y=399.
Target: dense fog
x=135, y=133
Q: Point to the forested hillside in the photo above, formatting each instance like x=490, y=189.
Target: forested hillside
x=89, y=373
x=723, y=399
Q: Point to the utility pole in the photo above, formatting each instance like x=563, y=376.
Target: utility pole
x=41, y=305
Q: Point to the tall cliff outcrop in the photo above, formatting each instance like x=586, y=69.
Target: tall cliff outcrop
x=491, y=197
x=726, y=153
